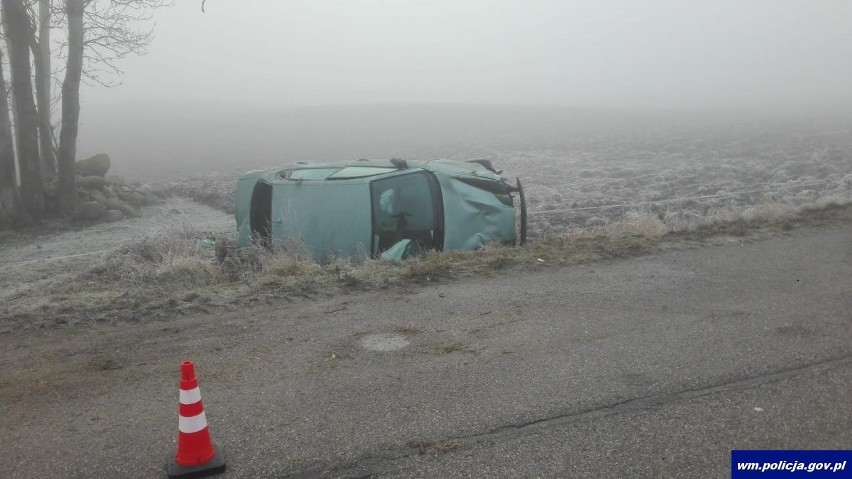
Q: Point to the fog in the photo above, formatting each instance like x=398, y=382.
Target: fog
x=267, y=81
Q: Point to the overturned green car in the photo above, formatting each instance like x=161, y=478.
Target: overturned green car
x=379, y=208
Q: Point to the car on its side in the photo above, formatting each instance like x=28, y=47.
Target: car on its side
x=380, y=208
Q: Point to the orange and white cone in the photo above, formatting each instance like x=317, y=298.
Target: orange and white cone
x=196, y=455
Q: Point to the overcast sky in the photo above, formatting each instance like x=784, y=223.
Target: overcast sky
x=631, y=53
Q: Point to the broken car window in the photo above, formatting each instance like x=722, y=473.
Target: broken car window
x=405, y=207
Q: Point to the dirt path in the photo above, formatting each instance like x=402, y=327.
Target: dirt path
x=32, y=259
x=381, y=382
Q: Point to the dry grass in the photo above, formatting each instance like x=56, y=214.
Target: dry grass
x=171, y=272
x=643, y=223
x=171, y=257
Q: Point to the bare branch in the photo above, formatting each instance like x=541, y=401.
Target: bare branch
x=113, y=30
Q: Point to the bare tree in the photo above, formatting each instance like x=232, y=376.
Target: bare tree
x=8, y=171
x=41, y=56
x=113, y=33
x=71, y=108
x=18, y=40
x=99, y=34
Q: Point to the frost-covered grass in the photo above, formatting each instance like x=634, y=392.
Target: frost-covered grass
x=168, y=272
x=683, y=181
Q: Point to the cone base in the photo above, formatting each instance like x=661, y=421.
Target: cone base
x=209, y=468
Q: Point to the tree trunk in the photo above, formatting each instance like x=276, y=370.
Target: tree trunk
x=41, y=54
x=18, y=37
x=71, y=108
x=8, y=172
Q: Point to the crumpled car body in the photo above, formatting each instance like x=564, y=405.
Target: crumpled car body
x=389, y=208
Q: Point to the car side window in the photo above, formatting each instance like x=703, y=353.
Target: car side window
x=406, y=207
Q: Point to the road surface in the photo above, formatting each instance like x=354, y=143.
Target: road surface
x=655, y=366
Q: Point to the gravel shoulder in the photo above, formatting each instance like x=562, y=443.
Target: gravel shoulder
x=305, y=388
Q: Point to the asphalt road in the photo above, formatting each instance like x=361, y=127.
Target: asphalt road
x=648, y=367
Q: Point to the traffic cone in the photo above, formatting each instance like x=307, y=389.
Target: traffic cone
x=196, y=455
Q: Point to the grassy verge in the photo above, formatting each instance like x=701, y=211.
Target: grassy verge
x=171, y=272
